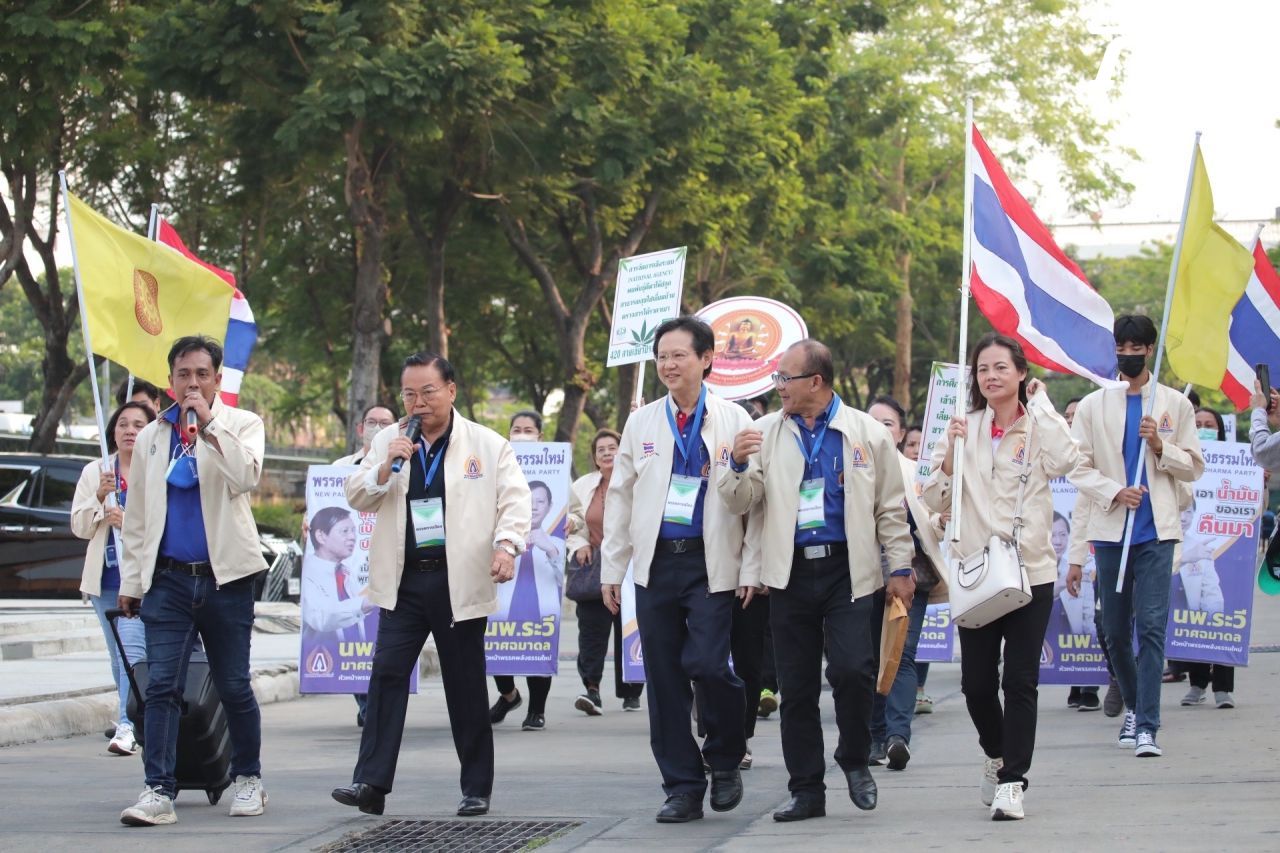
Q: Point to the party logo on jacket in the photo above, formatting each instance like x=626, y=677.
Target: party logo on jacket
x=1020, y=455
x=1166, y=423
x=858, y=457
x=647, y=449
x=472, y=470
x=722, y=456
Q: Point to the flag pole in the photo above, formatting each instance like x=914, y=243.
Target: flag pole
x=640, y=383
x=84, y=321
x=1140, y=468
x=957, y=456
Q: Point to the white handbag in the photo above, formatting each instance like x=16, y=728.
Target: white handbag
x=992, y=582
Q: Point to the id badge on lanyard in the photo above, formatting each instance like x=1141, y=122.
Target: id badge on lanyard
x=812, y=513
x=682, y=493
x=682, y=498
x=428, y=521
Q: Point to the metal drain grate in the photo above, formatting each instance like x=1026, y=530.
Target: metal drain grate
x=453, y=836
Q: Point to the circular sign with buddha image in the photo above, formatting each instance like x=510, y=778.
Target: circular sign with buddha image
x=751, y=335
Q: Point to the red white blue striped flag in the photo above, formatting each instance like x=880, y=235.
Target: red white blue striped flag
x=1255, y=331
x=1027, y=287
x=242, y=331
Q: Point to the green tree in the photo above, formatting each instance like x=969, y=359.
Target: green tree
x=65, y=103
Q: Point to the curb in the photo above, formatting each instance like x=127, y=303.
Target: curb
x=62, y=718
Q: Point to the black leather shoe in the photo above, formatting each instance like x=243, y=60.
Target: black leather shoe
x=473, y=806
x=862, y=788
x=680, y=808
x=365, y=797
x=499, y=710
x=802, y=807
x=726, y=789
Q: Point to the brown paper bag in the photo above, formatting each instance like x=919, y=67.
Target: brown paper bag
x=893, y=636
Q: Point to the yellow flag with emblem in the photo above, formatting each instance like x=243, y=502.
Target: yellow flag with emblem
x=1213, y=270
x=140, y=296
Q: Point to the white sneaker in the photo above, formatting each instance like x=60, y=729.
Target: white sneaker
x=1128, y=732
x=250, y=799
x=1195, y=696
x=990, y=779
x=1008, y=802
x=152, y=809
x=124, y=743
x=1147, y=747
x=1223, y=699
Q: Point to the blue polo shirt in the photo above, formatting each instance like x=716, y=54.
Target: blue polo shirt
x=829, y=466
x=1144, y=522
x=184, y=537
x=698, y=465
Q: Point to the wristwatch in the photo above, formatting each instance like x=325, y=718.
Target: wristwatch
x=509, y=548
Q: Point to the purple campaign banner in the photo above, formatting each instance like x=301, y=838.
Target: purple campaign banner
x=1211, y=597
x=937, y=635
x=339, y=625
x=1071, y=653
x=523, y=636
x=632, y=651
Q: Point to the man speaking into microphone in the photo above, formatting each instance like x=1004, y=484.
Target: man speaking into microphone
x=190, y=555
x=453, y=512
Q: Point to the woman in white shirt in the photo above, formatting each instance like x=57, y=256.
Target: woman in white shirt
x=97, y=511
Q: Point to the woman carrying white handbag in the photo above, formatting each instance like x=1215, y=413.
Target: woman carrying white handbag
x=1002, y=582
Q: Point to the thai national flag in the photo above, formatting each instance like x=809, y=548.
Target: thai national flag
x=1255, y=331
x=1027, y=287
x=242, y=332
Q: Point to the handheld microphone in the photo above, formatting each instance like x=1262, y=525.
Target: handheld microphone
x=193, y=423
x=412, y=431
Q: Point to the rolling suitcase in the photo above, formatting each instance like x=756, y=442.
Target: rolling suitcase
x=204, y=742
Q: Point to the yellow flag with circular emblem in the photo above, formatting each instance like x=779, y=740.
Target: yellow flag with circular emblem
x=140, y=296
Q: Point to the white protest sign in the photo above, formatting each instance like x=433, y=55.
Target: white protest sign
x=940, y=405
x=647, y=294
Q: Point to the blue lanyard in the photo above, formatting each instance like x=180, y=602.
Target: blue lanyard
x=689, y=448
x=435, y=463
x=811, y=455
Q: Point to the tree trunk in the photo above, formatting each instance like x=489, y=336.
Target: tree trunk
x=365, y=189
x=902, y=335
x=433, y=241
x=61, y=379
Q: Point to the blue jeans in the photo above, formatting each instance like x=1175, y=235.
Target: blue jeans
x=174, y=609
x=891, y=715
x=1144, y=600
x=134, y=637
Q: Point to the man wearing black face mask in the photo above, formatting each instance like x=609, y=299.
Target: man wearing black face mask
x=1111, y=425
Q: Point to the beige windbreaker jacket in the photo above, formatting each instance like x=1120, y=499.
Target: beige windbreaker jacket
x=1099, y=429
x=638, y=493
x=991, y=481
x=874, y=500
x=88, y=521
x=226, y=480
x=486, y=501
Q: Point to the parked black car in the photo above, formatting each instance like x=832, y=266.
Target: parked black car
x=41, y=558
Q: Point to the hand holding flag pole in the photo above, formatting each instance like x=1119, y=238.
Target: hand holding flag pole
x=957, y=470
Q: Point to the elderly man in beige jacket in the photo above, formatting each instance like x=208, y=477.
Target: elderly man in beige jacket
x=190, y=551
x=453, y=513
x=663, y=517
x=825, y=490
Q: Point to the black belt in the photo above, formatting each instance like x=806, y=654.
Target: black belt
x=822, y=552
x=428, y=564
x=681, y=546
x=196, y=570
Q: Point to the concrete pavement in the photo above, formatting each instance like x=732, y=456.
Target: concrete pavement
x=1214, y=788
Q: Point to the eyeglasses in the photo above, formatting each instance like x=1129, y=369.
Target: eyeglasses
x=372, y=424
x=409, y=397
x=783, y=379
